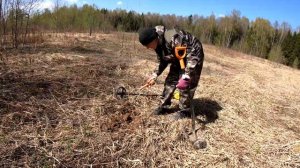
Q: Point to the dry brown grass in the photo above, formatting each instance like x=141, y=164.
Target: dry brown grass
x=57, y=108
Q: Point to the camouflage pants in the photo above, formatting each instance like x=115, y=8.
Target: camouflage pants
x=186, y=96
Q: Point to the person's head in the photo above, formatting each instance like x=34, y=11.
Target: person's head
x=148, y=38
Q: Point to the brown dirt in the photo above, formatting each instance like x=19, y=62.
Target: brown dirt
x=57, y=108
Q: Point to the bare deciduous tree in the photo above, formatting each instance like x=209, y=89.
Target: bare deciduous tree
x=19, y=11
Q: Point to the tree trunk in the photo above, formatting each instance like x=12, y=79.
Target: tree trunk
x=16, y=30
x=1, y=31
x=4, y=26
x=26, y=29
x=0, y=11
x=21, y=29
x=228, y=43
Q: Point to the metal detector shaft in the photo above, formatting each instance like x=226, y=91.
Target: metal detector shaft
x=121, y=92
x=142, y=94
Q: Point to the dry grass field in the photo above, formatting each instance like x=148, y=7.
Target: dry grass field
x=57, y=108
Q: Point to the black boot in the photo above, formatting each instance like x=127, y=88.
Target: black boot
x=180, y=115
x=161, y=110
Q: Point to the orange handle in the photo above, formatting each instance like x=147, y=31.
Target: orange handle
x=181, y=61
x=180, y=53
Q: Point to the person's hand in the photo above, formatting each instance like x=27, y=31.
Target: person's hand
x=151, y=81
x=183, y=82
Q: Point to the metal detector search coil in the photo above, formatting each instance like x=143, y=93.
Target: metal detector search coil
x=120, y=92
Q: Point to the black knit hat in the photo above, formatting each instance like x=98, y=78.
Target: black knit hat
x=147, y=35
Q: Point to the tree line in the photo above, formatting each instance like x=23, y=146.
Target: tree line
x=276, y=42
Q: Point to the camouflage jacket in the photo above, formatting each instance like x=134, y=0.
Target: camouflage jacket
x=168, y=40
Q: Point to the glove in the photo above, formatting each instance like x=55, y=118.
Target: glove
x=183, y=82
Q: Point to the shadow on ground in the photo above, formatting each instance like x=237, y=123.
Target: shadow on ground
x=208, y=108
x=204, y=107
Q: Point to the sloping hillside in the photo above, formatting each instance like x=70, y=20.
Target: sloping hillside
x=57, y=108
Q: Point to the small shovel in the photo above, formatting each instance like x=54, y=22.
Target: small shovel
x=197, y=143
